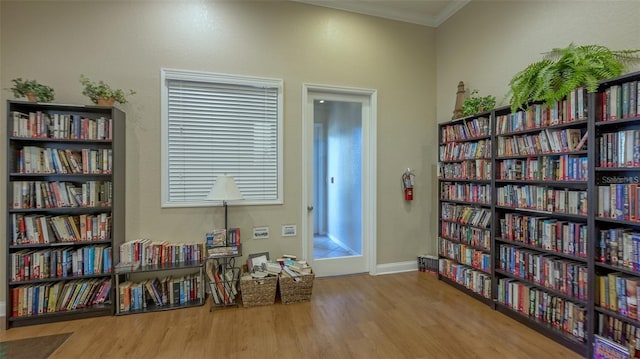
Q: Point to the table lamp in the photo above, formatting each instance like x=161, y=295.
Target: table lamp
x=224, y=190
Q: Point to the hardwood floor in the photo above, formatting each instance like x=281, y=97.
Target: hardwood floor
x=405, y=315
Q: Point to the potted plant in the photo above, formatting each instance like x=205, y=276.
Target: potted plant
x=102, y=94
x=32, y=90
x=564, y=69
x=476, y=104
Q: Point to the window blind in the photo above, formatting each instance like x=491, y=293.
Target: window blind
x=215, y=128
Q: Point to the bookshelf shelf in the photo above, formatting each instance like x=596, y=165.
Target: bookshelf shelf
x=58, y=222
x=618, y=169
x=543, y=288
x=617, y=268
x=572, y=124
x=474, y=247
x=465, y=224
x=547, y=182
x=57, y=279
x=157, y=308
x=542, y=250
x=541, y=212
x=617, y=315
x=535, y=155
x=93, y=311
x=618, y=221
x=470, y=180
x=470, y=139
x=144, y=295
x=614, y=123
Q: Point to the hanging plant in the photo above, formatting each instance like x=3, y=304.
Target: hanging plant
x=564, y=69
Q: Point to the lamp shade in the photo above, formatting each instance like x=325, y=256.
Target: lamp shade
x=224, y=189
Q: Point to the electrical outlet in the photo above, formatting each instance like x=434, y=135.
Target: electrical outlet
x=289, y=230
x=260, y=232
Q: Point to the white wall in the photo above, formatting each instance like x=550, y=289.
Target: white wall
x=126, y=44
x=487, y=42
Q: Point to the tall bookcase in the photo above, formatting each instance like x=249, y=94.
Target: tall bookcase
x=565, y=214
x=540, y=218
x=65, y=210
x=615, y=225
x=464, y=177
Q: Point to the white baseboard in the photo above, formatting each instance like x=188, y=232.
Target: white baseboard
x=3, y=308
x=399, y=267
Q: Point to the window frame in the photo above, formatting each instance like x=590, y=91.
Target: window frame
x=166, y=75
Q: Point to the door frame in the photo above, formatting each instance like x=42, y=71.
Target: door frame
x=369, y=169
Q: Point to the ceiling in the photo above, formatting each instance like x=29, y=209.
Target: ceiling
x=423, y=12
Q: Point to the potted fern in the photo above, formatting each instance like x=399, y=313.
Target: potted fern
x=102, y=94
x=32, y=90
x=564, y=69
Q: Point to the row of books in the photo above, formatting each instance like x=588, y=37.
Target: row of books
x=542, y=198
x=60, y=126
x=475, y=216
x=466, y=192
x=619, y=247
x=623, y=333
x=465, y=254
x=619, y=201
x=477, y=281
x=223, y=238
x=427, y=263
x=536, y=303
x=28, y=300
x=223, y=281
x=60, y=263
x=620, y=101
x=471, y=169
x=476, y=237
x=550, y=234
x=135, y=296
x=619, y=149
x=34, y=159
x=457, y=151
x=477, y=127
x=565, y=276
x=619, y=293
x=42, y=229
x=41, y=194
x=573, y=108
x=146, y=252
x=546, y=168
x=545, y=141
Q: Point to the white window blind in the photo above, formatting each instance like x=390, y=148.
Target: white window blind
x=221, y=124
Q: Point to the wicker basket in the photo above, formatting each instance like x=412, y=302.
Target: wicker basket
x=258, y=291
x=295, y=290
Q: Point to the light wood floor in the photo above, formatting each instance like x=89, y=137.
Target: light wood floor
x=406, y=315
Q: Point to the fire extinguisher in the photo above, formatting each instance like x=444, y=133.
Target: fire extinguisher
x=407, y=184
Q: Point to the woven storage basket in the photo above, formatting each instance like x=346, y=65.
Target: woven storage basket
x=294, y=290
x=258, y=291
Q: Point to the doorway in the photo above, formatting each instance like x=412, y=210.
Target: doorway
x=339, y=186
